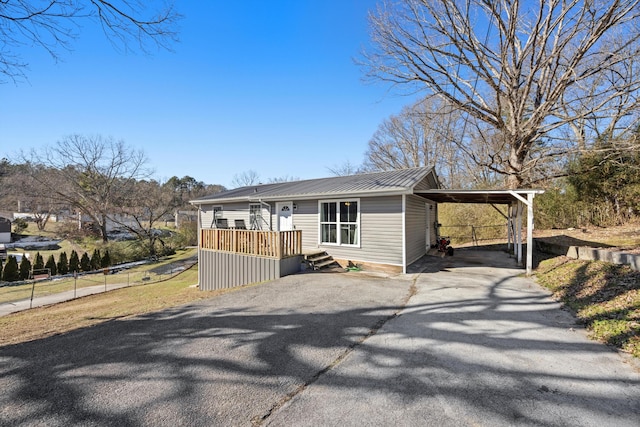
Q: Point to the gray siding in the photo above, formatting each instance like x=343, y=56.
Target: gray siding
x=380, y=234
x=231, y=212
x=427, y=183
x=415, y=228
x=221, y=270
x=305, y=218
x=380, y=228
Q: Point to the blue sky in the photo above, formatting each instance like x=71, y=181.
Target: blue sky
x=265, y=85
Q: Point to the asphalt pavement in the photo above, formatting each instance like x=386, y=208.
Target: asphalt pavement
x=460, y=343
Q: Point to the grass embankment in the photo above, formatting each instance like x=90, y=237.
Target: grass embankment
x=146, y=273
x=91, y=310
x=605, y=297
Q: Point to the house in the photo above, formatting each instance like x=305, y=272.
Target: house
x=375, y=220
x=5, y=230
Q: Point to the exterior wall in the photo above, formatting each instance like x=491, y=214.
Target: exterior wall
x=427, y=183
x=222, y=270
x=380, y=227
x=5, y=230
x=415, y=228
x=380, y=233
x=305, y=218
x=231, y=212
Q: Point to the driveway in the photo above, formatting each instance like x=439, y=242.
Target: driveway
x=460, y=344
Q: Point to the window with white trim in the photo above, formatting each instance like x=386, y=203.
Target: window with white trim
x=340, y=222
x=255, y=216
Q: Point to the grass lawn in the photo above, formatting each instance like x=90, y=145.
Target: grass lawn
x=605, y=297
x=133, y=276
x=87, y=311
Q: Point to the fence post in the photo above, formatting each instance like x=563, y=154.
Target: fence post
x=33, y=289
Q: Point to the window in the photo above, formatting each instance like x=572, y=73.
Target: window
x=217, y=212
x=340, y=222
x=255, y=216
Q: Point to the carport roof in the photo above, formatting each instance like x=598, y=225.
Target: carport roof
x=498, y=197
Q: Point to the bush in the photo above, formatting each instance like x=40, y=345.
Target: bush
x=63, y=263
x=106, y=259
x=85, y=262
x=51, y=265
x=25, y=268
x=38, y=263
x=96, y=259
x=74, y=262
x=11, y=272
x=19, y=225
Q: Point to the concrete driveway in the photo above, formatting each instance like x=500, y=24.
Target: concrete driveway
x=460, y=344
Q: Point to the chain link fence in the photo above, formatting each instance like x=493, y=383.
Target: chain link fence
x=461, y=234
x=77, y=285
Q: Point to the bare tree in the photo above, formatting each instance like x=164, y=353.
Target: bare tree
x=423, y=134
x=147, y=203
x=90, y=173
x=524, y=71
x=54, y=24
x=283, y=178
x=243, y=179
x=345, y=169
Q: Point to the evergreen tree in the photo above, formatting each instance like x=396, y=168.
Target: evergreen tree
x=74, y=262
x=10, y=272
x=96, y=259
x=63, y=263
x=106, y=260
x=38, y=263
x=85, y=262
x=51, y=265
x=25, y=268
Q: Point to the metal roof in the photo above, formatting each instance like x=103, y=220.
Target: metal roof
x=498, y=197
x=386, y=182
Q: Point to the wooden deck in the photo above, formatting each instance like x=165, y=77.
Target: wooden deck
x=270, y=244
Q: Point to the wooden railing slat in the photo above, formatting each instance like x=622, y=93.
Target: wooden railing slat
x=273, y=244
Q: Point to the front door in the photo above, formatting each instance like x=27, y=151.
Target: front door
x=285, y=216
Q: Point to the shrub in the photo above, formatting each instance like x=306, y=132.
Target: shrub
x=96, y=259
x=63, y=263
x=11, y=272
x=38, y=263
x=51, y=265
x=74, y=262
x=85, y=262
x=25, y=268
x=19, y=225
x=106, y=259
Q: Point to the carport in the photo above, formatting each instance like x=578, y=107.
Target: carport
x=516, y=200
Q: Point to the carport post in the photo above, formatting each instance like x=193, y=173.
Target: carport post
x=529, y=202
x=530, y=197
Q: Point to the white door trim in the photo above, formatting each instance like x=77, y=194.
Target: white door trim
x=279, y=209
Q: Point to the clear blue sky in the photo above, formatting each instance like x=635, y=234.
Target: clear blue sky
x=263, y=85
